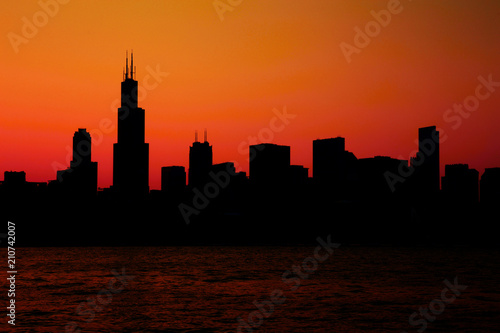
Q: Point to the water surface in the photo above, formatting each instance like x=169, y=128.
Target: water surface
x=205, y=289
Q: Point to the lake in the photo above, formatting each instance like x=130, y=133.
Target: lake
x=206, y=289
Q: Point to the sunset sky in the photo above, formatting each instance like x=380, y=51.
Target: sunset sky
x=228, y=75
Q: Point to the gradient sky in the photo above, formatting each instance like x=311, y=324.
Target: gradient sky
x=228, y=75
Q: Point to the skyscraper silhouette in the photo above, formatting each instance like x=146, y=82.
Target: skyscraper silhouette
x=200, y=161
x=461, y=184
x=130, y=153
x=334, y=168
x=82, y=148
x=373, y=182
x=269, y=164
x=80, y=179
x=328, y=159
x=426, y=163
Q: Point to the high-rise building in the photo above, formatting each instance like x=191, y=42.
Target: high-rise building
x=82, y=148
x=130, y=153
x=200, y=161
x=461, y=184
x=329, y=160
x=269, y=164
x=372, y=175
x=426, y=163
x=81, y=177
x=334, y=168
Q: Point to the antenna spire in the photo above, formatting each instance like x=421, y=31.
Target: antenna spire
x=126, y=64
x=195, y=136
x=132, y=64
x=205, y=135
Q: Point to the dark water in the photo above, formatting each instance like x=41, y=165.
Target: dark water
x=205, y=289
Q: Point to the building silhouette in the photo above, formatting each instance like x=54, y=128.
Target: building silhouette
x=490, y=186
x=269, y=164
x=328, y=159
x=80, y=178
x=82, y=148
x=334, y=168
x=277, y=204
x=225, y=175
x=426, y=182
x=227, y=167
x=130, y=153
x=460, y=184
x=232, y=190
x=14, y=179
x=372, y=176
x=200, y=161
x=173, y=180
x=14, y=184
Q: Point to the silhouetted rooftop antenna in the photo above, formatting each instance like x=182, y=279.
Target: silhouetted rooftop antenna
x=132, y=64
x=205, y=135
x=195, y=136
x=126, y=64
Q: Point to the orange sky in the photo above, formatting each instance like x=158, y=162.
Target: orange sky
x=228, y=75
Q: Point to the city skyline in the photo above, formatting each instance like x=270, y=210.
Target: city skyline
x=332, y=163
x=237, y=166
x=131, y=153
x=229, y=81
x=220, y=193
x=201, y=153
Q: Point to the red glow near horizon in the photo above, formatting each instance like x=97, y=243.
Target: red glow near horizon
x=228, y=76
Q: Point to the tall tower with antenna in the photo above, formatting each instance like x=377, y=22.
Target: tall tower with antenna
x=130, y=153
x=200, y=161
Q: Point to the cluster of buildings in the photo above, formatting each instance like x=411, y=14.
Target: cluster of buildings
x=336, y=171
